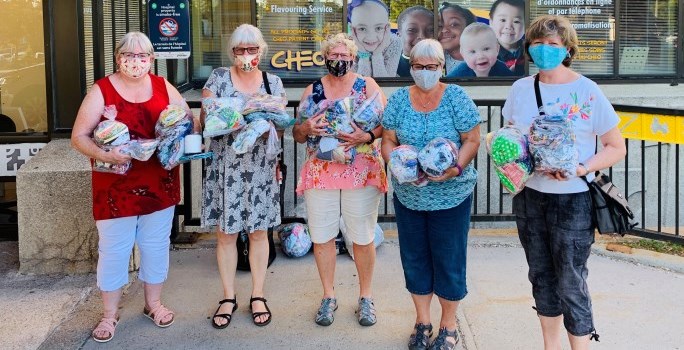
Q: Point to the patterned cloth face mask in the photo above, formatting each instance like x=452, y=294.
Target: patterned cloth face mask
x=547, y=57
x=338, y=68
x=247, y=63
x=426, y=79
x=135, y=67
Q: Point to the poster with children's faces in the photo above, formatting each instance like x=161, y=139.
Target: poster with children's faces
x=480, y=38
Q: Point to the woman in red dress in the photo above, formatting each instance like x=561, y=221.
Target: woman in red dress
x=138, y=206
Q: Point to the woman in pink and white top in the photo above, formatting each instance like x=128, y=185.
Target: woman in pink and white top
x=330, y=188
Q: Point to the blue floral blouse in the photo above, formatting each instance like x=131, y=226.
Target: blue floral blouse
x=455, y=114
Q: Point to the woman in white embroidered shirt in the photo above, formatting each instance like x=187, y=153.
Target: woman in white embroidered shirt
x=554, y=211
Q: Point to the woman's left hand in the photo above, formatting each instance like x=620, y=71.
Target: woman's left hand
x=353, y=139
x=448, y=174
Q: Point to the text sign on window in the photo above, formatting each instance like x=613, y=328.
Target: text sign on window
x=169, y=28
x=13, y=156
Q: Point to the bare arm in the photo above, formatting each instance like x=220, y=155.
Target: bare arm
x=470, y=142
x=389, y=142
x=301, y=131
x=86, y=120
x=613, y=151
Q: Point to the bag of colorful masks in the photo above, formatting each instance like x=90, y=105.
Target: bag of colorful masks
x=437, y=156
x=110, y=134
x=245, y=138
x=173, y=125
x=294, y=240
x=221, y=116
x=403, y=164
x=552, y=145
x=368, y=115
x=508, y=149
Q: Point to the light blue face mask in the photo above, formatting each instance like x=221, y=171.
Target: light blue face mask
x=547, y=57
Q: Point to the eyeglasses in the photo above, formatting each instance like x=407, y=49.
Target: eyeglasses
x=432, y=67
x=131, y=55
x=250, y=50
x=339, y=56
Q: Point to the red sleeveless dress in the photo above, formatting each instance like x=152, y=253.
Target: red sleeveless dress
x=146, y=187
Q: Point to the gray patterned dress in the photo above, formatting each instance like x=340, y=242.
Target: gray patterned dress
x=240, y=191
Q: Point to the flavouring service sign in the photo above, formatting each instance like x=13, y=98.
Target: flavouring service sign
x=169, y=26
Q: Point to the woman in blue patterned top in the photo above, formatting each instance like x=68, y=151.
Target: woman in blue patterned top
x=433, y=220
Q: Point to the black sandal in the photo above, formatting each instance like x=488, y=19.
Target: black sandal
x=257, y=314
x=227, y=317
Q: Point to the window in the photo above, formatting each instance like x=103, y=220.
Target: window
x=648, y=37
x=23, y=98
x=595, y=26
x=212, y=23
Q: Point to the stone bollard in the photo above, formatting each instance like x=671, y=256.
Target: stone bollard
x=57, y=232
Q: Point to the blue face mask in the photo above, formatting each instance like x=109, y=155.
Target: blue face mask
x=547, y=57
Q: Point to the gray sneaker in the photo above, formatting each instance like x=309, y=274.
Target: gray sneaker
x=326, y=312
x=366, y=312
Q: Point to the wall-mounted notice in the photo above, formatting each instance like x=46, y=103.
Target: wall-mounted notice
x=169, y=28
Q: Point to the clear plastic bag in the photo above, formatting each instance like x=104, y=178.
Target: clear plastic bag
x=508, y=148
x=170, y=130
x=245, y=138
x=403, y=165
x=273, y=144
x=221, y=116
x=437, y=156
x=552, y=145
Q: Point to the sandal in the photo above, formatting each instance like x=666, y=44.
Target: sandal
x=159, y=313
x=326, y=312
x=441, y=342
x=257, y=314
x=421, y=338
x=106, y=324
x=227, y=317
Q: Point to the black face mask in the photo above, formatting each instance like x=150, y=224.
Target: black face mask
x=338, y=68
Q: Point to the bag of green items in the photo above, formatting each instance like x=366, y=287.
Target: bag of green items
x=510, y=154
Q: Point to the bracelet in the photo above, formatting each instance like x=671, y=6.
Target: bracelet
x=372, y=135
x=460, y=170
x=585, y=168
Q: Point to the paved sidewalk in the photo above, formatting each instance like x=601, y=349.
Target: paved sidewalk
x=636, y=306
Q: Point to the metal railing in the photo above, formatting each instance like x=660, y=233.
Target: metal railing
x=652, y=187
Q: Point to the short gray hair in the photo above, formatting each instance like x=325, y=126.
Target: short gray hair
x=247, y=34
x=335, y=40
x=428, y=48
x=129, y=42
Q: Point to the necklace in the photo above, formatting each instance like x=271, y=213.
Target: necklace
x=423, y=104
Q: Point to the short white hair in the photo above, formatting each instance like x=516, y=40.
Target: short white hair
x=247, y=34
x=428, y=48
x=129, y=42
x=339, y=39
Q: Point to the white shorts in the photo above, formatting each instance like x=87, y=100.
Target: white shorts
x=359, y=210
x=151, y=232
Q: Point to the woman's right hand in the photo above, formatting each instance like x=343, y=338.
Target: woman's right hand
x=315, y=126
x=114, y=156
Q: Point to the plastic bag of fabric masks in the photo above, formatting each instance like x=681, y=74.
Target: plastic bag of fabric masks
x=140, y=149
x=263, y=113
x=173, y=125
x=245, y=138
x=437, y=156
x=403, y=165
x=368, y=115
x=264, y=103
x=552, y=145
x=294, y=239
x=508, y=148
x=221, y=116
x=378, y=237
x=109, y=134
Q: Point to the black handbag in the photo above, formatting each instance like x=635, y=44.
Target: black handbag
x=243, y=250
x=612, y=214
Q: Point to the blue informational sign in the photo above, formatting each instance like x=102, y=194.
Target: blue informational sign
x=169, y=28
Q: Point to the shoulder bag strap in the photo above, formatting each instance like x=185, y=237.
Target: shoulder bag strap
x=537, y=94
x=267, y=86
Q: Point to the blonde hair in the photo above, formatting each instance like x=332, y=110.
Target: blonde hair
x=247, y=34
x=335, y=40
x=478, y=28
x=428, y=48
x=550, y=25
x=129, y=42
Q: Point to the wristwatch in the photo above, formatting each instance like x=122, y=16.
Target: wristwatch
x=372, y=135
